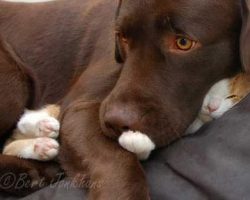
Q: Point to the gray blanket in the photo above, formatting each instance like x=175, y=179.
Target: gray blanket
x=212, y=164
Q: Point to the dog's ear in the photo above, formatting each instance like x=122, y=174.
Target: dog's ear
x=245, y=35
x=14, y=68
x=118, y=49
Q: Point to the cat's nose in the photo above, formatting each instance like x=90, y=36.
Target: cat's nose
x=214, y=104
x=212, y=108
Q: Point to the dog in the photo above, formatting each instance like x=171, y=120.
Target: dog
x=120, y=67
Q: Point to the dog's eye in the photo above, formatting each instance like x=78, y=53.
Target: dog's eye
x=122, y=45
x=184, y=44
x=122, y=38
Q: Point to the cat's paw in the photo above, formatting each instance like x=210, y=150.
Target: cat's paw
x=194, y=127
x=137, y=143
x=48, y=127
x=38, y=124
x=42, y=149
x=45, y=149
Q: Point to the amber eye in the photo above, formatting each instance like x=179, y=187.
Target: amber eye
x=124, y=40
x=184, y=43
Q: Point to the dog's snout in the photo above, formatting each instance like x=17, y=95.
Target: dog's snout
x=121, y=118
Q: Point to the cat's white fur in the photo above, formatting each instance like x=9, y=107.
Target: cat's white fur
x=215, y=104
x=38, y=124
x=34, y=137
x=42, y=149
x=138, y=143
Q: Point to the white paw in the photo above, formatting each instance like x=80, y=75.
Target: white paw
x=194, y=127
x=137, y=143
x=38, y=124
x=45, y=149
x=48, y=127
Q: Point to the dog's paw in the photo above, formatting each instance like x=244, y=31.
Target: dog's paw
x=38, y=124
x=45, y=149
x=137, y=143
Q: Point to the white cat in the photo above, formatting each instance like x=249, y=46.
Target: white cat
x=221, y=98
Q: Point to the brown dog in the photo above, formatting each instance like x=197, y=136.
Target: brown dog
x=168, y=54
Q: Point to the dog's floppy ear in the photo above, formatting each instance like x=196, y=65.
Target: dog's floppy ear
x=245, y=35
x=118, y=49
x=14, y=68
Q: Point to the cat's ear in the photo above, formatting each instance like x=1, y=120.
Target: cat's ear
x=245, y=36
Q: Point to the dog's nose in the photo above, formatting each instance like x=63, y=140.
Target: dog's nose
x=119, y=119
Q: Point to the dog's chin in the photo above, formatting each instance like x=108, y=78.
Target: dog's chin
x=137, y=143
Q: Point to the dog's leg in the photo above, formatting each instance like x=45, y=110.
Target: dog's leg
x=21, y=177
x=97, y=162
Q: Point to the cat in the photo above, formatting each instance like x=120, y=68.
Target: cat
x=224, y=95
x=35, y=135
x=36, y=131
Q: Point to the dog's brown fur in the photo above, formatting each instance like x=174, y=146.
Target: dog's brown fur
x=71, y=45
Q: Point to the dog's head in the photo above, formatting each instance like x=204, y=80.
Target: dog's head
x=171, y=53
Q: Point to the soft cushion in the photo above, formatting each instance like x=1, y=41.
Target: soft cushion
x=212, y=164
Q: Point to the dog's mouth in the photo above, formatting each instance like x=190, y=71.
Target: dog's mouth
x=137, y=143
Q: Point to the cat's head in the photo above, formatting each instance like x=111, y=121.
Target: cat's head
x=219, y=99
x=225, y=94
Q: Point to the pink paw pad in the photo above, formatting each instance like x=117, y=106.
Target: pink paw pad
x=49, y=127
x=46, y=148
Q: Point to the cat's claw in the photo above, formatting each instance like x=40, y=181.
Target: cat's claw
x=137, y=143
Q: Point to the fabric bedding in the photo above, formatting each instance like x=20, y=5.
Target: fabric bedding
x=212, y=164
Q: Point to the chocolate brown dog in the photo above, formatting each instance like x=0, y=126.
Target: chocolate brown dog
x=134, y=65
